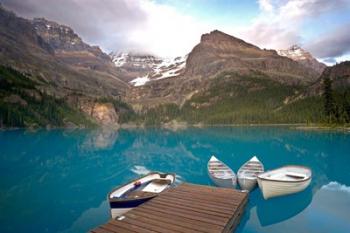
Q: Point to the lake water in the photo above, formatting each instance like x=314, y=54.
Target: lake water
x=57, y=181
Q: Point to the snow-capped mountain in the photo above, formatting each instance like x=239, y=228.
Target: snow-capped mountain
x=295, y=52
x=302, y=56
x=142, y=68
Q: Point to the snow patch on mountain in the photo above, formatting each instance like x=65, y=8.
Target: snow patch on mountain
x=147, y=67
x=140, y=81
x=120, y=59
x=169, y=68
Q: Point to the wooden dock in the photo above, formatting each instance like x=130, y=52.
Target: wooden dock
x=186, y=208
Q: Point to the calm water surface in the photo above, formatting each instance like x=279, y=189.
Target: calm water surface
x=57, y=181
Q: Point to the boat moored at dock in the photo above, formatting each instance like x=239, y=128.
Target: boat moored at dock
x=221, y=174
x=139, y=191
x=247, y=174
x=285, y=180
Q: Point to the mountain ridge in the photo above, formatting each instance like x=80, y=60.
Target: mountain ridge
x=222, y=80
x=77, y=77
x=217, y=53
x=25, y=49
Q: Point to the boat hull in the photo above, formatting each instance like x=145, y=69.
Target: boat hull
x=247, y=184
x=248, y=172
x=138, y=192
x=221, y=174
x=121, y=207
x=225, y=183
x=270, y=188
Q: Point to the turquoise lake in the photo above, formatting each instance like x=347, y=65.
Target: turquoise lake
x=57, y=181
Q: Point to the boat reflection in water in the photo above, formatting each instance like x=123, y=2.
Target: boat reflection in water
x=279, y=209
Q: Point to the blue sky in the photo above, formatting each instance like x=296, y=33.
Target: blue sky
x=220, y=12
x=173, y=27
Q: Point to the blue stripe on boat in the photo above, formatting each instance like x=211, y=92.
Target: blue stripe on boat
x=128, y=203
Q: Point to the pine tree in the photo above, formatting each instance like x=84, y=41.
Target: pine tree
x=329, y=105
x=346, y=105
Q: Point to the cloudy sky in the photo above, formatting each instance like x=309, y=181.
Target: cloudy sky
x=173, y=27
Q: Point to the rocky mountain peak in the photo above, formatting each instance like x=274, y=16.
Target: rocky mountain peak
x=11, y=24
x=295, y=47
x=218, y=52
x=69, y=46
x=44, y=50
x=58, y=36
x=296, y=53
x=217, y=37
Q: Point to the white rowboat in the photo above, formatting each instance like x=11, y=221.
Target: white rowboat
x=285, y=180
x=247, y=174
x=137, y=192
x=221, y=174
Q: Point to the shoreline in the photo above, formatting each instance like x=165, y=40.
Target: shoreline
x=324, y=128
x=295, y=126
x=183, y=125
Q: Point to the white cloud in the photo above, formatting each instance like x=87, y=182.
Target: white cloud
x=280, y=22
x=167, y=32
x=329, y=61
x=332, y=44
x=266, y=5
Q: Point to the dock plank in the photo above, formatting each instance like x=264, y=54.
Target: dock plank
x=160, y=224
x=187, y=214
x=200, y=205
x=178, y=221
x=187, y=208
x=204, y=198
x=193, y=208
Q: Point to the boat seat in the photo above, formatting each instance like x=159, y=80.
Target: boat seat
x=139, y=194
x=296, y=175
x=157, y=186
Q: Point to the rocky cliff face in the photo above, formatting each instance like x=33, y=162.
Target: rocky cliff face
x=59, y=37
x=105, y=113
x=302, y=56
x=102, y=113
x=71, y=49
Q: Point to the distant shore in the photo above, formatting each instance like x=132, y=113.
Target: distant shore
x=324, y=128
x=298, y=126
x=174, y=125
